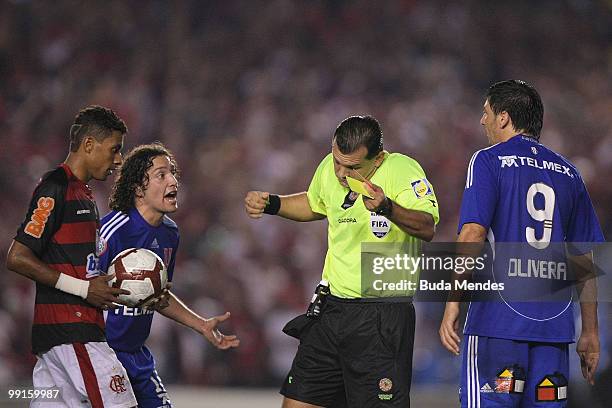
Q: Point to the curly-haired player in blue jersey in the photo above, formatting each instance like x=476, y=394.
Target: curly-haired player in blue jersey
x=519, y=192
x=143, y=194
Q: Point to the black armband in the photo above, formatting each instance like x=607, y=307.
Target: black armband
x=273, y=205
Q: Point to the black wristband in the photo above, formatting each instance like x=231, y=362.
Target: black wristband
x=386, y=208
x=273, y=205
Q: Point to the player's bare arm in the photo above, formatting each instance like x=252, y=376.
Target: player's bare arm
x=416, y=223
x=449, y=328
x=293, y=207
x=22, y=260
x=207, y=327
x=588, y=346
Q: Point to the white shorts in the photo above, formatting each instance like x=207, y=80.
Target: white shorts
x=87, y=375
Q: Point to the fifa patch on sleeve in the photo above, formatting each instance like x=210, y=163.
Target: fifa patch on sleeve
x=421, y=188
x=36, y=226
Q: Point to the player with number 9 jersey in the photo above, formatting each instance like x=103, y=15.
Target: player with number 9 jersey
x=523, y=192
x=531, y=204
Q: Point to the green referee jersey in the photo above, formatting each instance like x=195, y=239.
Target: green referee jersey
x=403, y=181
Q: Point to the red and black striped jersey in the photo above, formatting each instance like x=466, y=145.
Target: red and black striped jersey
x=62, y=229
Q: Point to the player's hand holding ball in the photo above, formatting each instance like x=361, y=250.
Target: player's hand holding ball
x=255, y=202
x=103, y=296
x=160, y=302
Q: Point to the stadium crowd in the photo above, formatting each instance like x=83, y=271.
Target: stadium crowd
x=247, y=95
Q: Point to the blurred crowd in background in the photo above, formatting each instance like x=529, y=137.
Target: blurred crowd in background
x=247, y=94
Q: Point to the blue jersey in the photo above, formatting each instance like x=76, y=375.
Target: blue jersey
x=524, y=193
x=127, y=328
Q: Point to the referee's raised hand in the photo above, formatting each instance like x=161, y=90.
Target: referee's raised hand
x=255, y=202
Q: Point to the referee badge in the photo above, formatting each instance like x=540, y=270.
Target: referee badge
x=379, y=225
x=421, y=188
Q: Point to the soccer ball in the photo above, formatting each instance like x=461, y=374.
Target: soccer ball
x=141, y=272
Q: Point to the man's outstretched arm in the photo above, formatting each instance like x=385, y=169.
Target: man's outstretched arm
x=293, y=207
x=207, y=327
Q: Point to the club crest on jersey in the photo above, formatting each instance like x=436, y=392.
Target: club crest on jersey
x=379, y=225
x=101, y=244
x=118, y=384
x=421, y=188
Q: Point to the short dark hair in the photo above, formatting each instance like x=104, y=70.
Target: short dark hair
x=356, y=131
x=98, y=121
x=522, y=102
x=133, y=174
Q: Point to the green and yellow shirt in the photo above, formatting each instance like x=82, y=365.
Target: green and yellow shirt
x=403, y=181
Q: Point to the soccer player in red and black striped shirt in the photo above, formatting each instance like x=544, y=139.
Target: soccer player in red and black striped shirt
x=57, y=247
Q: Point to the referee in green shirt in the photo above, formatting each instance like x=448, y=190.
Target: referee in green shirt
x=357, y=352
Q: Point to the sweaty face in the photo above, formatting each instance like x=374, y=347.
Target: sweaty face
x=105, y=156
x=160, y=194
x=488, y=121
x=348, y=164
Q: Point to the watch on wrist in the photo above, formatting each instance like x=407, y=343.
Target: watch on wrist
x=385, y=208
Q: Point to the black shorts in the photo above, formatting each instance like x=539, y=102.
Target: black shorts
x=358, y=355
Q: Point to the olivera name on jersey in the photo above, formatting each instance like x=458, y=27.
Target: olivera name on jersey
x=514, y=160
x=537, y=268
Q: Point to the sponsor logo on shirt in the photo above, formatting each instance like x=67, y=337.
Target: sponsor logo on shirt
x=517, y=161
x=93, y=266
x=36, y=226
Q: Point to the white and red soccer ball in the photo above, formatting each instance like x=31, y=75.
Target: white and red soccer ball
x=141, y=272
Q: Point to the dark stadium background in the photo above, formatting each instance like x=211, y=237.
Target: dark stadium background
x=247, y=94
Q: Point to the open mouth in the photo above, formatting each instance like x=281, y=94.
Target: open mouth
x=171, y=196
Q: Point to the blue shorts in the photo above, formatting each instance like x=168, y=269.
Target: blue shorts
x=513, y=374
x=147, y=386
